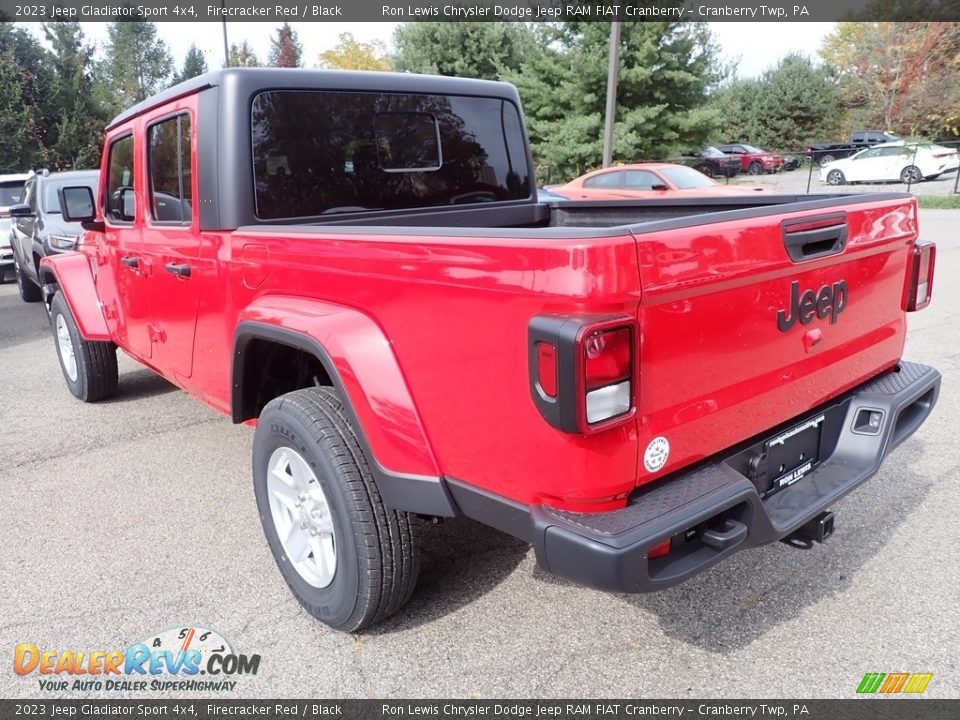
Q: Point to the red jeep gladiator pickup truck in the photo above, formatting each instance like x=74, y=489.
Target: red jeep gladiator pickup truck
x=358, y=265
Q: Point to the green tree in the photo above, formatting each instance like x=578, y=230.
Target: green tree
x=194, y=64
x=138, y=63
x=666, y=72
x=27, y=119
x=464, y=49
x=788, y=106
x=351, y=54
x=242, y=56
x=285, y=50
x=80, y=101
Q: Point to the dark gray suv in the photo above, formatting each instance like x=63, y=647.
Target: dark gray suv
x=38, y=229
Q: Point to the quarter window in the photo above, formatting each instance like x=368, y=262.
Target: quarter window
x=169, y=163
x=120, y=200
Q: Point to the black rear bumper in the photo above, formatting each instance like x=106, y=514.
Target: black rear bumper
x=715, y=510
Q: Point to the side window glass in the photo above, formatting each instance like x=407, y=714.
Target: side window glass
x=641, y=180
x=120, y=203
x=605, y=180
x=169, y=163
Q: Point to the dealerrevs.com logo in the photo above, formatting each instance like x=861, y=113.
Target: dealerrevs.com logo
x=182, y=659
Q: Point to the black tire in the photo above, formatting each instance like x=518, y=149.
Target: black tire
x=836, y=177
x=376, y=558
x=707, y=170
x=911, y=175
x=826, y=159
x=755, y=168
x=28, y=291
x=95, y=362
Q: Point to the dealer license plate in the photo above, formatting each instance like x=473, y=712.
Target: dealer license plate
x=794, y=453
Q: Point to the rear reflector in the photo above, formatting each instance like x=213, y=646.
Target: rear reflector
x=547, y=369
x=659, y=550
x=919, y=287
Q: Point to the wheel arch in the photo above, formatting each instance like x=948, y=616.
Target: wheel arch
x=70, y=274
x=358, y=361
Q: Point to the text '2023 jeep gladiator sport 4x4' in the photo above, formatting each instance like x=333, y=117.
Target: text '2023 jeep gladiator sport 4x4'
x=357, y=264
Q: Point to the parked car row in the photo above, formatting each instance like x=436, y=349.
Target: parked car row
x=890, y=162
x=32, y=226
x=729, y=160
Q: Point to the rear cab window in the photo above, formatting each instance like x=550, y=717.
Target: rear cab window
x=321, y=152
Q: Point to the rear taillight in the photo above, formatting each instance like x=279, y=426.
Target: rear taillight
x=582, y=371
x=607, y=360
x=919, y=287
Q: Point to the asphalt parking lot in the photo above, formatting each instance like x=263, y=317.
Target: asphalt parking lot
x=135, y=515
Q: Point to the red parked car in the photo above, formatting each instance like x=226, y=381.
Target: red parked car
x=753, y=160
x=647, y=181
x=357, y=265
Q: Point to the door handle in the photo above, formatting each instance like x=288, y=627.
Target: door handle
x=131, y=262
x=181, y=270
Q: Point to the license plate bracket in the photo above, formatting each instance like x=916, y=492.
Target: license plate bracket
x=794, y=453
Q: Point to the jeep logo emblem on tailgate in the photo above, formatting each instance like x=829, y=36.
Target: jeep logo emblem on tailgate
x=830, y=300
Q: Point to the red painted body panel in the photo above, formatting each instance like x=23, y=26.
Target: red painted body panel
x=715, y=370
x=75, y=278
x=428, y=332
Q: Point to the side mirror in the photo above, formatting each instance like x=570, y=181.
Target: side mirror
x=76, y=204
x=22, y=210
x=659, y=186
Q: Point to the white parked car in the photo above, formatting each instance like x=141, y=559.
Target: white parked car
x=11, y=188
x=906, y=162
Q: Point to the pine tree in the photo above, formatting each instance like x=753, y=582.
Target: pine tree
x=666, y=72
x=79, y=103
x=462, y=49
x=27, y=119
x=285, y=50
x=138, y=63
x=194, y=64
x=243, y=56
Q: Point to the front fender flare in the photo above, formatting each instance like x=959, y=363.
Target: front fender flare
x=74, y=279
x=360, y=361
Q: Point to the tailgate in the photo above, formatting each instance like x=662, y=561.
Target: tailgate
x=749, y=321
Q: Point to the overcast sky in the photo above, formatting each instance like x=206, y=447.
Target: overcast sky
x=757, y=46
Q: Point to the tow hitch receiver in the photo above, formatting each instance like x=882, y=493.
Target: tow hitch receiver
x=816, y=530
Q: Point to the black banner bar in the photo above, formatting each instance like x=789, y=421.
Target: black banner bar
x=853, y=709
x=478, y=10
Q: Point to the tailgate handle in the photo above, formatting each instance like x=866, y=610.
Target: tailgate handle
x=815, y=237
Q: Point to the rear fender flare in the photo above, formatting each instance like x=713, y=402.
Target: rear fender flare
x=360, y=362
x=72, y=276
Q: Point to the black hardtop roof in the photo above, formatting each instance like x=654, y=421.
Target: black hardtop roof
x=255, y=79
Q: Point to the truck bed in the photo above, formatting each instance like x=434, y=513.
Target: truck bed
x=705, y=280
